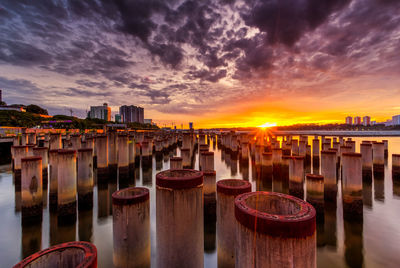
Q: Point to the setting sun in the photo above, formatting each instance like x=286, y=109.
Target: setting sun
x=267, y=125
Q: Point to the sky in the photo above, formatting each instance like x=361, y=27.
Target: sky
x=217, y=63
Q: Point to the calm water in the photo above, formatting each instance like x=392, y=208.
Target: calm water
x=375, y=242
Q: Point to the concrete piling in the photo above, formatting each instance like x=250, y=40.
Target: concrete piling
x=315, y=193
x=66, y=188
x=176, y=163
x=378, y=157
x=19, y=152
x=55, y=141
x=274, y=230
x=296, y=176
x=43, y=152
x=328, y=171
x=227, y=190
x=366, y=158
x=31, y=188
x=123, y=156
x=179, y=202
x=352, y=185
x=131, y=227
x=102, y=157
x=396, y=174
x=85, y=178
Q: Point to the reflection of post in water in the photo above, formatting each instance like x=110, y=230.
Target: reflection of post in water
x=315, y=196
x=17, y=191
x=159, y=160
x=147, y=174
x=264, y=179
x=85, y=227
x=112, y=187
x=209, y=191
x=296, y=176
x=379, y=186
x=244, y=169
x=396, y=174
x=330, y=234
x=234, y=160
x=102, y=200
x=31, y=238
x=85, y=178
x=66, y=230
x=353, y=242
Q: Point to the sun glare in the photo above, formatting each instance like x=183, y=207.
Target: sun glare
x=267, y=125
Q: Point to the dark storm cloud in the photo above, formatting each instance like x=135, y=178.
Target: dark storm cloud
x=285, y=21
x=206, y=74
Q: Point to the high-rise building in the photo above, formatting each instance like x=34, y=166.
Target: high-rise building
x=396, y=120
x=130, y=114
x=357, y=120
x=349, y=120
x=367, y=120
x=118, y=118
x=100, y=112
x=190, y=125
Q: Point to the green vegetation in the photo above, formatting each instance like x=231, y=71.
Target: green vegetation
x=21, y=119
x=36, y=109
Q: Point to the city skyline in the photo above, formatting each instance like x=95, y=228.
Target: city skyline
x=214, y=63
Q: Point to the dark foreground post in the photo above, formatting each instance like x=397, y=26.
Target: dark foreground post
x=227, y=190
x=131, y=227
x=179, y=202
x=72, y=254
x=274, y=230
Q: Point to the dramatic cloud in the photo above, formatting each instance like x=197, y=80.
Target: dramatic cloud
x=197, y=58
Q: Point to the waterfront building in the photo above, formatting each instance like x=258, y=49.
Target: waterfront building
x=131, y=114
x=349, y=120
x=357, y=120
x=100, y=112
x=367, y=120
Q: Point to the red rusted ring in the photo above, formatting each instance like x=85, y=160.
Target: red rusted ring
x=66, y=151
x=89, y=261
x=31, y=158
x=209, y=173
x=314, y=177
x=171, y=179
x=233, y=190
x=140, y=197
x=298, y=225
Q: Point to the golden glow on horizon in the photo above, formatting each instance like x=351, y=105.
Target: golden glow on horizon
x=267, y=125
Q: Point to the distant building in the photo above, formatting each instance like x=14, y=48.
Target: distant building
x=148, y=121
x=190, y=125
x=130, y=114
x=349, y=120
x=366, y=120
x=388, y=123
x=100, y=112
x=396, y=120
x=373, y=123
x=118, y=118
x=357, y=120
